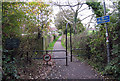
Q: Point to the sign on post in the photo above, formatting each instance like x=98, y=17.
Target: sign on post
x=103, y=19
x=47, y=57
x=12, y=43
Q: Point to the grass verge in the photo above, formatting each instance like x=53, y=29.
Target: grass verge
x=62, y=42
x=51, y=45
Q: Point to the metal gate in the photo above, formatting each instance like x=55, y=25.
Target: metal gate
x=66, y=57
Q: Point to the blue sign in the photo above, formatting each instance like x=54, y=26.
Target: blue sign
x=103, y=19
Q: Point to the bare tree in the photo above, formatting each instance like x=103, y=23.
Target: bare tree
x=75, y=8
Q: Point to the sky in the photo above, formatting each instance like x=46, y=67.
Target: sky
x=82, y=14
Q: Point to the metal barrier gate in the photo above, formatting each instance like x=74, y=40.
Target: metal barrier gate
x=66, y=57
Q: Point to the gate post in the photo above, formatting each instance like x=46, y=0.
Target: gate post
x=47, y=61
x=107, y=37
x=70, y=42
x=66, y=46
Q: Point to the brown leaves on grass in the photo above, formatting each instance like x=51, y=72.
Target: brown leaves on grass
x=38, y=70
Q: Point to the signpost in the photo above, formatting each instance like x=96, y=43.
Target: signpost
x=46, y=57
x=66, y=46
x=107, y=36
x=105, y=19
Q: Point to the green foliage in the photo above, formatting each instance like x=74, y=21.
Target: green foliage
x=97, y=44
x=9, y=67
x=113, y=67
x=60, y=22
x=94, y=44
x=11, y=19
x=97, y=8
x=19, y=18
x=63, y=41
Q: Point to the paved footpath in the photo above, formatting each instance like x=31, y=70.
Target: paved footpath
x=74, y=70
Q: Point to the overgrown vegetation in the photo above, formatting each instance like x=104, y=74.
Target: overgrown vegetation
x=94, y=43
x=22, y=18
x=60, y=22
x=98, y=45
x=19, y=21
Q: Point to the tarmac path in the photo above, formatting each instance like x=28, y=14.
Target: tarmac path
x=74, y=70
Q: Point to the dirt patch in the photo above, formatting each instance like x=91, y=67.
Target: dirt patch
x=37, y=70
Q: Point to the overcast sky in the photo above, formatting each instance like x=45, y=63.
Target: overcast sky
x=82, y=14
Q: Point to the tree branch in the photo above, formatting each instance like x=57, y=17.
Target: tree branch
x=113, y=12
x=79, y=7
x=69, y=5
x=82, y=9
x=90, y=20
x=67, y=20
x=113, y=4
x=87, y=17
x=66, y=16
